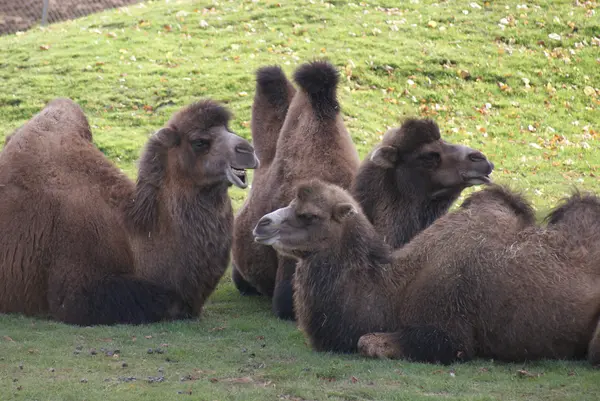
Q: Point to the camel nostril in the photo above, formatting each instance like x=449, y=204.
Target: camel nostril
x=265, y=221
x=245, y=149
x=476, y=157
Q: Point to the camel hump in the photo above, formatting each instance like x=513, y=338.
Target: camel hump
x=272, y=83
x=576, y=206
x=63, y=103
x=319, y=79
x=501, y=196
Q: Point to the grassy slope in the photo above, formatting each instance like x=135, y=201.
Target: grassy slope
x=130, y=69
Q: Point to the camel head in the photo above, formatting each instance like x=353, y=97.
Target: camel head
x=313, y=221
x=416, y=152
x=201, y=149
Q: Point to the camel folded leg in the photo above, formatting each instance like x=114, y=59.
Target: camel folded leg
x=594, y=347
x=283, y=295
x=415, y=343
x=244, y=287
x=113, y=299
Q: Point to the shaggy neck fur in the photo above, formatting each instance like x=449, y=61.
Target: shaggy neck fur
x=403, y=207
x=192, y=226
x=330, y=284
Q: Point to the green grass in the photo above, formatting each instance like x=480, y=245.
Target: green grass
x=131, y=68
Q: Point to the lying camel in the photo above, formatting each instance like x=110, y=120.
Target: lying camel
x=413, y=177
x=85, y=245
x=484, y=281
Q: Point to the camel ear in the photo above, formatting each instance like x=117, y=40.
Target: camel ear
x=385, y=156
x=167, y=136
x=342, y=211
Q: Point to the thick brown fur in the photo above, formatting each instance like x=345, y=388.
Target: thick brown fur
x=483, y=281
x=313, y=142
x=64, y=112
x=274, y=93
x=412, y=178
x=82, y=243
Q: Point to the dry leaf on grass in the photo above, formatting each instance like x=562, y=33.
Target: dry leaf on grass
x=524, y=373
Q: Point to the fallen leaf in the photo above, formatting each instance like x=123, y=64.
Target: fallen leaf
x=464, y=74
x=504, y=87
x=221, y=328
x=524, y=373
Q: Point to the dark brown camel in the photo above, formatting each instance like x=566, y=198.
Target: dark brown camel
x=484, y=281
x=274, y=93
x=413, y=177
x=84, y=244
x=313, y=142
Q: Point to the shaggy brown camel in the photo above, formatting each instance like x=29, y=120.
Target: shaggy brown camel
x=84, y=244
x=313, y=142
x=274, y=93
x=413, y=177
x=484, y=281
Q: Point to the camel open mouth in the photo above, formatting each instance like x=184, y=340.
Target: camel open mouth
x=236, y=176
x=266, y=239
x=477, y=180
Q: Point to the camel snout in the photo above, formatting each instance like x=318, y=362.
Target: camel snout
x=245, y=156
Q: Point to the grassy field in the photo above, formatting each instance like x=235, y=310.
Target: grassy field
x=518, y=82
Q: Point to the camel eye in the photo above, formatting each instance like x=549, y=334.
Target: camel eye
x=430, y=159
x=200, y=145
